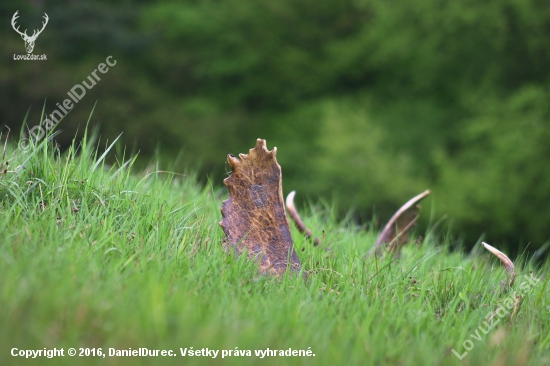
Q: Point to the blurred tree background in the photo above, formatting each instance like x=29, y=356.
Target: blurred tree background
x=368, y=101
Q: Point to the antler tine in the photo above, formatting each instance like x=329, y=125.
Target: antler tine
x=46, y=19
x=508, y=264
x=297, y=220
x=393, y=235
x=13, y=20
x=35, y=34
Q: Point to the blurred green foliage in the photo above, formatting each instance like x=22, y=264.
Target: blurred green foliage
x=369, y=102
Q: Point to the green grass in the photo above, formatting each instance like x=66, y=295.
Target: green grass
x=99, y=256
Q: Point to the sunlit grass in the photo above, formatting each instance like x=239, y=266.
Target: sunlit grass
x=100, y=256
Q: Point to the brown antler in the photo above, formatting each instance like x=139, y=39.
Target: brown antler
x=254, y=217
x=508, y=264
x=297, y=220
x=395, y=231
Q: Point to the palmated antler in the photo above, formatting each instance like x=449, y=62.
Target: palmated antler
x=297, y=220
x=508, y=264
x=395, y=231
x=254, y=217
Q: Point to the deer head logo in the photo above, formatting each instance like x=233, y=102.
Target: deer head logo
x=29, y=40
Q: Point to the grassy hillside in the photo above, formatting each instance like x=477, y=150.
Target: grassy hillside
x=97, y=256
x=369, y=101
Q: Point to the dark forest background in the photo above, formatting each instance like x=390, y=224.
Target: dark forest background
x=369, y=102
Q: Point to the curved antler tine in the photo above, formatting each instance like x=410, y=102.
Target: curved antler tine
x=508, y=264
x=395, y=231
x=16, y=28
x=44, y=23
x=46, y=19
x=296, y=218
